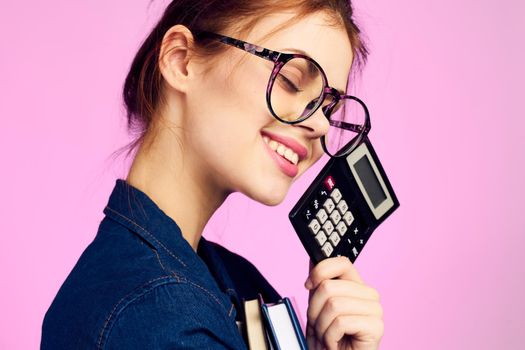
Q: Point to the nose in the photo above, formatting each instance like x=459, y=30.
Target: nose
x=316, y=125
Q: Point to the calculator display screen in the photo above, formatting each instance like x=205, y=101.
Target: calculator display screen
x=370, y=181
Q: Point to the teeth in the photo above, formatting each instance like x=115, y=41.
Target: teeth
x=282, y=150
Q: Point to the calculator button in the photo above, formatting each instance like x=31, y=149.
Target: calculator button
x=342, y=206
x=355, y=252
x=336, y=195
x=356, y=231
x=328, y=227
x=321, y=216
x=360, y=241
x=327, y=249
x=348, y=218
x=329, y=183
x=335, y=217
x=323, y=194
x=341, y=228
x=320, y=238
x=314, y=226
x=329, y=205
x=315, y=204
x=334, y=238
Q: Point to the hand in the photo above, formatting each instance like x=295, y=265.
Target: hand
x=343, y=312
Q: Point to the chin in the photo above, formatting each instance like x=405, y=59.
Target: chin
x=270, y=197
x=272, y=201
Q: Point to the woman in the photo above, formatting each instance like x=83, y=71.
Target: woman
x=215, y=113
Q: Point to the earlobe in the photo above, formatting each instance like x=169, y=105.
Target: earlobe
x=174, y=56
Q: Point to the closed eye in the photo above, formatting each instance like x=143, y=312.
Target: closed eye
x=289, y=83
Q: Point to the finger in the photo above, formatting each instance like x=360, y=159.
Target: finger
x=311, y=266
x=312, y=341
x=364, y=330
x=336, y=267
x=337, y=288
x=340, y=306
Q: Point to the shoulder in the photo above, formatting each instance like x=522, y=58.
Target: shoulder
x=119, y=283
x=169, y=314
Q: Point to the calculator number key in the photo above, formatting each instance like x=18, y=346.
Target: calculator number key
x=341, y=228
x=314, y=226
x=328, y=227
x=335, y=217
x=334, y=239
x=336, y=195
x=327, y=249
x=329, y=205
x=342, y=206
x=320, y=238
x=348, y=218
x=321, y=216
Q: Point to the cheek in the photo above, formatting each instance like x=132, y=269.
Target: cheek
x=317, y=151
x=233, y=96
x=249, y=80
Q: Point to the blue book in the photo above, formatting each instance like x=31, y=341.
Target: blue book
x=282, y=326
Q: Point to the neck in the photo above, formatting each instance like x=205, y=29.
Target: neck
x=176, y=185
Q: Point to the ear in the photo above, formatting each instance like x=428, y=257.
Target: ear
x=175, y=55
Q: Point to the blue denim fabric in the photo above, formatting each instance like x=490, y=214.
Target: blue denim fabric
x=140, y=285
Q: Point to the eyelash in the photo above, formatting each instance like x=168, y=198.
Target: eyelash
x=290, y=84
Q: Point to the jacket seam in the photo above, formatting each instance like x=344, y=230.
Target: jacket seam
x=180, y=278
x=123, y=299
x=210, y=294
x=147, y=233
x=170, y=271
x=116, y=310
x=207, y=291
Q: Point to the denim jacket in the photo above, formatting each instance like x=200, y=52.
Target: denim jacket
x=140, y=285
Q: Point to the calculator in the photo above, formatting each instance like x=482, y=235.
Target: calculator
x=346, y=202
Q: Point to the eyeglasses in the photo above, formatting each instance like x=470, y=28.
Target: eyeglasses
x=298, y=87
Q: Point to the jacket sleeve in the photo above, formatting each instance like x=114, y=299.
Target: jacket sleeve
x=173, y=316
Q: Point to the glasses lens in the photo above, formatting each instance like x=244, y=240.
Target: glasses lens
x=347, y=121
x=296, y=90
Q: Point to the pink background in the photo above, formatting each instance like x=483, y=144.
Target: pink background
x=445, y=89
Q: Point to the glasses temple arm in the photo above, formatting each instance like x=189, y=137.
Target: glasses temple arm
x=243, y=45
x=346, y=126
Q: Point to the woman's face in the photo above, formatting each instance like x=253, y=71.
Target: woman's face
x=229, y=130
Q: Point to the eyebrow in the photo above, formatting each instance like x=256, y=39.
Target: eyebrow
x=342, y=92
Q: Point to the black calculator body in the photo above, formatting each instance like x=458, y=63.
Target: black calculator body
x=346, y=202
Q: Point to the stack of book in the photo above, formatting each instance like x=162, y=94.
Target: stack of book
x=272, y=326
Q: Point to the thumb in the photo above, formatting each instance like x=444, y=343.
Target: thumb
x=310, y=267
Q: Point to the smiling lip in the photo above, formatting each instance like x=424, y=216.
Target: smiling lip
x=295, y=146
x=286, y=167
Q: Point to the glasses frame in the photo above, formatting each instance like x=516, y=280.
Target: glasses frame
x=280, y=59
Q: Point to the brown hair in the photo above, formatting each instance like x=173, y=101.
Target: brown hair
x=142, y=92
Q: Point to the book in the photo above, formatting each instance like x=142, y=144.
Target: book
x=282, y=326
x=255, y=333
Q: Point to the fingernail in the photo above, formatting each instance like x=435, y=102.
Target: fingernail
x=308, y=283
